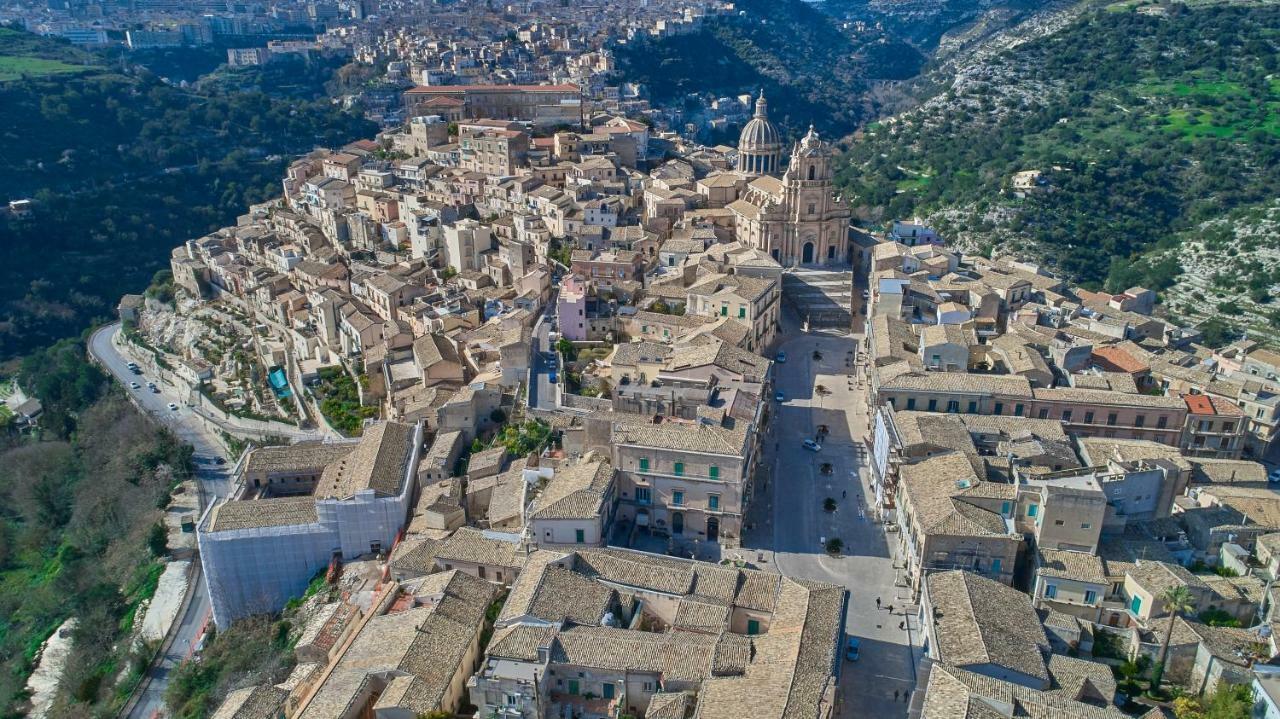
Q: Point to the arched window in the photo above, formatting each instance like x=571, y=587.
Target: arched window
x=813, y=169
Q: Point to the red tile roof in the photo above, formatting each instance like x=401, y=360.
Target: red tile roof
x=1208, y=404
x=1119, y=359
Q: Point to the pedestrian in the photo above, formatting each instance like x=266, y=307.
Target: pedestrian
x=895, y=695
x=877, y=602
x=902, y=625
x=906, y=696
x=891, y=609
x=844, y=493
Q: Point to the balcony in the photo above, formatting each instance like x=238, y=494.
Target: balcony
x=576, y=706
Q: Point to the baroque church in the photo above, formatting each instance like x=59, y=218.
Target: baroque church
x=792, y=214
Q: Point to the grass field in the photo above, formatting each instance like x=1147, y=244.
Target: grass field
x=17, y=68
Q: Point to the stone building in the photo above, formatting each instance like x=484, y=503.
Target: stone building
x=797, y=219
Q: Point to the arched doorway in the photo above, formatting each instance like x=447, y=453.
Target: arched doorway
x=831, y=252
x=713, y=529
x=677, y=523
x=806, y=255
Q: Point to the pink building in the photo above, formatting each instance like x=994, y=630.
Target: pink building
x=571, y=308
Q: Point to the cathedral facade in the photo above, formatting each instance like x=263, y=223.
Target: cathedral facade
x=797, y=218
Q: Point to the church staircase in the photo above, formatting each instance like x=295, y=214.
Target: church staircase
x=823, y=297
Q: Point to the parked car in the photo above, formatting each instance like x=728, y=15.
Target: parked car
x=219, y=460
x=781, y=357
x=132, y=365
x=173, y=407
x=1274, y=476
x=134, y=385
x=779, y=397
x=851, y=649
x=812, y=445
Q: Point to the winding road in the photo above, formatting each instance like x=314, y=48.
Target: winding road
x=212, y=480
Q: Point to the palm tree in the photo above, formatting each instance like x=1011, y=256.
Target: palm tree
x=1177, y=600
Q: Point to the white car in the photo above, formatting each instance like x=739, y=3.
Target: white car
x=134, y=385
x=812, y=446
x=173, y=406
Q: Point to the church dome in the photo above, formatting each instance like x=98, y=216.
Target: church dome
x=759, y=133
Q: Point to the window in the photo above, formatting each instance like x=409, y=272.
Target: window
x=480, y=570
x=1032, y=509
x=1088, y=417
x=679, y=469
x=999, y=409
x=1066, y=415
x=995, y=566
x=511, y=700
x=1228, y=426
x=1044, y=413
x=1004, y=508
x=935, y=359
x=911, y=403
x=713, y=472
x=677, y=498
x=1090, y=596
x=973, y=408
x=1058, y=522
x=753, y=626
x=1085, y=525
x=1050, y=591
x=579, y=536
x=1111, y=419
x=1140, y=421
x=1017, y=409
x=1162, y=422
x=648, y=686
x=933, y=405
x=812, y=174
x=953, y=406
x=724, y=310
x=644, y=464
x=1135, y=606
x=643, y=496
x=812, y=207
x=742, y=312
x=713, y=501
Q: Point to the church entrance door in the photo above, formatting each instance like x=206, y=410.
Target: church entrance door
x=807, y=253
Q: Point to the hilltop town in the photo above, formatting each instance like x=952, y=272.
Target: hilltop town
x=603, y=422
x=603, y=380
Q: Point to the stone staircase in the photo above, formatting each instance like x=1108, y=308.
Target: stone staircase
x=823, y=297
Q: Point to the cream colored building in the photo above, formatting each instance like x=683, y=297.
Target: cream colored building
x=797, y=219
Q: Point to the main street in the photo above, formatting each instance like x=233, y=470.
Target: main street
x=212, y=481
x=789, y=519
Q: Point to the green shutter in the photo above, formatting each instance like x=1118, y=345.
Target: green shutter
x=644, y=464
x=679, y=469
x=714, y=472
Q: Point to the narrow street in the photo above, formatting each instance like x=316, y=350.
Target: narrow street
x=789, y=518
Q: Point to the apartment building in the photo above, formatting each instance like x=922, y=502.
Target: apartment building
x=952, y=519
x=753, y=301
x=685, y=479
x=1214, y=428
x=1106, y=413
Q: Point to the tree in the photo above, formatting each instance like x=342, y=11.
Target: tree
x=566, y=348
x=158, y=540
x=1177, y=600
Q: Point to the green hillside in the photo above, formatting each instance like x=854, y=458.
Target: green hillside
x=812, y=70
x=122, y=168
x=1145, y=124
